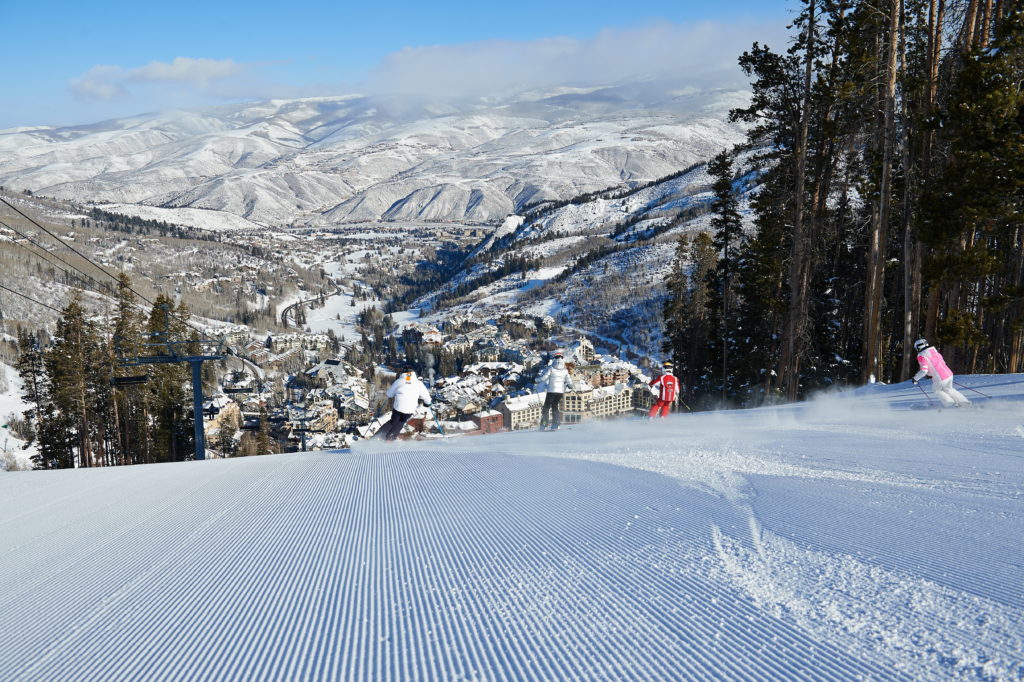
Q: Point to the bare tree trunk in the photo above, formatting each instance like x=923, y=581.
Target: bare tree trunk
x=1016, y=348
x=970, y=21
x=986, y=24
x=911, y=251
x=1017, y=343
x=799, y=272
x=878, y=235
x=119, y=428
x=936, y=18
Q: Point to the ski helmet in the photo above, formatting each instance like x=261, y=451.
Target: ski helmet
x=667, y=365
x=920, y=344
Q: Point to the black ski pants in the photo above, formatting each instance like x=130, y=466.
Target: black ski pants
x=552, y=405
x=393, y=427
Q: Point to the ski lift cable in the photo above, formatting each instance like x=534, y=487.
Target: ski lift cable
x=99, y=267
x=82, y=255
x=68, y=246
x=47, y=255
x=26, y=296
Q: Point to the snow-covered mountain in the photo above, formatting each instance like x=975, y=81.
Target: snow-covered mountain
x=849, y=538
x=595, y=263
x=324, y=161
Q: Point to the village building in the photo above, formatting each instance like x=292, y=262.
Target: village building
x=322, y=416
x=490, y=421
x=522, y=412
x=282, y=361
x=598, y=403
x=492, y=369
x=521, y=355
x=421, y=333
x=283, y=342
x=481, y=423
x=604, y=374
x=234, y=335
x=580, y=352
x=257, y=353
x=330, y=372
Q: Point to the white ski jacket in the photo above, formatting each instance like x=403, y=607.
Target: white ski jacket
x=557, y=378
x=407, y=391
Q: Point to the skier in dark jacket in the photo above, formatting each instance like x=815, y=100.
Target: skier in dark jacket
x=558, y=379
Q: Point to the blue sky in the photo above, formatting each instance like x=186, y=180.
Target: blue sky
x=78, y=62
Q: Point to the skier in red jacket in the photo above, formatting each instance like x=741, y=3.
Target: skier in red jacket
x=666, y=387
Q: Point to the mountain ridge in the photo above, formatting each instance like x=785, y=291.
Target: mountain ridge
x=333, y=160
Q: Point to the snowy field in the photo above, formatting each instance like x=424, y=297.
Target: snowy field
x=338, y=314
x=847, y=538
x=201, y=218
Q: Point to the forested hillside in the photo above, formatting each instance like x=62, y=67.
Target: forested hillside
x=889, y=144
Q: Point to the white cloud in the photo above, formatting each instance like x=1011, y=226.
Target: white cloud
x=100, y=82
x=700, y=55
x=185, y=70
x=107, y=82
x=703, y=53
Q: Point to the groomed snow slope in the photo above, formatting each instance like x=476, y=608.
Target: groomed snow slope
x=851, y=537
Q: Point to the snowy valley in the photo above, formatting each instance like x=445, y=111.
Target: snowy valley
x=288, y=290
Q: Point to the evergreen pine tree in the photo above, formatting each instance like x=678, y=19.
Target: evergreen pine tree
x=32, y=371
x=131, y=403
x=73, y=365
x=728, y=229
x=686, y=315
x=264, y=443
x=973, y=207
x=761, y=306
x=169, y=395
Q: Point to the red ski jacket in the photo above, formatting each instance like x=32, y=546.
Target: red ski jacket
x=668, y=387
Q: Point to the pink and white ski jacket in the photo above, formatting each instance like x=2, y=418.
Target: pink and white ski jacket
x=932, y=365
x=667, y=387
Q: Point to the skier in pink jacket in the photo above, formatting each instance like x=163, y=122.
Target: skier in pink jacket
x=933, y=365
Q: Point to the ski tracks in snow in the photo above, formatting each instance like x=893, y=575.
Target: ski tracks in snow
x=936, y=595
x=419, y=563
x=677, y=550
x=918, y=627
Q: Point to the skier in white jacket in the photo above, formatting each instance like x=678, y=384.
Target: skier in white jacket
x=406, y=391
x=558, y=379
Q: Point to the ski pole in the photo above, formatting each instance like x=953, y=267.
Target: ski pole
x=434, y=415
x=957, y=383
x=930, y=402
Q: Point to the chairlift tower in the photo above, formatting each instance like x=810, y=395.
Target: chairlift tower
x=193, y=351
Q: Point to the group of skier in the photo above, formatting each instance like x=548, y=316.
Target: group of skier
x=929, y=360
x=556, y=380
x=407, y=390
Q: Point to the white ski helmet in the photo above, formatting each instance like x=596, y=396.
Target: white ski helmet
x=920, y=344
